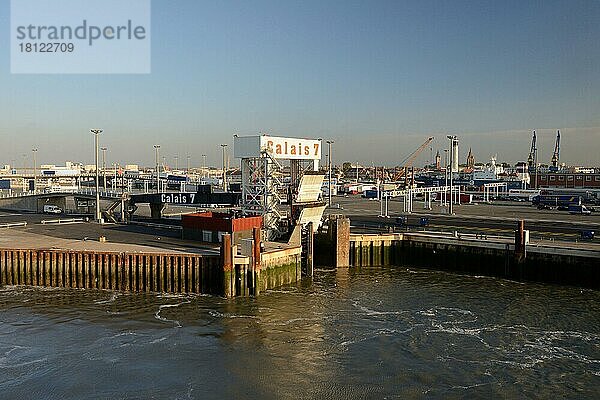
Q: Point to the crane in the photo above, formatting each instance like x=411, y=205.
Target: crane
x=408, y=161
x=556, y=154
x=531, y=160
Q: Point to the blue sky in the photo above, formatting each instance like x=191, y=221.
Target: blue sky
x=377, y=77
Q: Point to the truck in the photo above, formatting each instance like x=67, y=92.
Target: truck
x=579, y=209
x=52, y=209
x=555, y=201
x=370, y=194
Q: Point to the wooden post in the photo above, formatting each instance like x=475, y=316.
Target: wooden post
x=256, y=261
x=228, y=279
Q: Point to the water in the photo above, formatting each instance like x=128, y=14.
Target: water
x=371, y=333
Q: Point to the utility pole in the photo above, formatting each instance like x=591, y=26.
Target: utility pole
x=34, y=151
x=329, y=143
x=103, y=166
x=96, y=133
x=157, y=167
x=224, y=169
x=445, y=175
x=537, y=167
x=452, y=140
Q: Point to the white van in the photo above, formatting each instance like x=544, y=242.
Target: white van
x=50, y=209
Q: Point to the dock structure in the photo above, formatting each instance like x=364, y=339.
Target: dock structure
x=473, y=254
x=515, y=258
x=133, y=272
x=142, y=269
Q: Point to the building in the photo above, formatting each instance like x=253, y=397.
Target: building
x=211, y=226
x=568, y=180
x=470, y=159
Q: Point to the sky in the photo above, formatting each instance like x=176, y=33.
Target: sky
x=377, y=77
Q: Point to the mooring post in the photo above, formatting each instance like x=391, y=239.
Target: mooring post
x=519, y=254
x=226, y=257
x=341, y=242
x=310, y=265
x=255, y=274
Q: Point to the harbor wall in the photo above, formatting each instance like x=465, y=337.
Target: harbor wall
x=560, y=265
x=149, y=272
x=132, y=272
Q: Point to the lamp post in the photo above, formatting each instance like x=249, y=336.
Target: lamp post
x=224, y=146
x=452, y=139
x=103, y=167
x=537, y=167
x=445, y=175
x=157, y=167
x=329, y=143
x=34, y=151
x=96, y=133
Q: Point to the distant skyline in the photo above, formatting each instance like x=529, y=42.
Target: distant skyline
x=377, y=77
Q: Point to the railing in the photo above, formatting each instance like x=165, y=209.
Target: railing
x=13, y=224
x=90, y=192
x=63, y=221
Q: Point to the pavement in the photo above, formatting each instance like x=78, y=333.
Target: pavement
x=85, y=236
x=498, y=218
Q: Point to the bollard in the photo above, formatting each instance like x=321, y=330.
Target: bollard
x=228, y=279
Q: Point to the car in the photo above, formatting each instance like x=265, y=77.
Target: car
x=52, y=209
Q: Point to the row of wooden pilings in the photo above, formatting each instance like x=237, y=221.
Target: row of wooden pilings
x=135, y=272
x=241, y=278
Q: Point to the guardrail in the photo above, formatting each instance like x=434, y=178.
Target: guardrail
x=155, y=225
x=63, y=221
x=90, y=192
x=12, y=224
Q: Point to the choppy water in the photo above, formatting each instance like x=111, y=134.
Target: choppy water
x=374, y=333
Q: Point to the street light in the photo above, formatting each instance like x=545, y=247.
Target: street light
x=329, y=143
x=103, y=166
x=445, y=175
x=34, y=151
x=452, y=140
x=157, y=168
x=224, y=169
x=97, y=132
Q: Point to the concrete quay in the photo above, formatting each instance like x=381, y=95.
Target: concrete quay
x=140, y=259
x=575, y=264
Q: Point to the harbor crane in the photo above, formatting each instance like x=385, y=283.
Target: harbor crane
x=556, y=154
x=410, y=159
x=532, y=159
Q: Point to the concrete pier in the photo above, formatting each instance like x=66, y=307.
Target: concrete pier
x=544, y=262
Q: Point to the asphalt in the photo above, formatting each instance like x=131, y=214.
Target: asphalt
x=499, y=218
x=42, y=231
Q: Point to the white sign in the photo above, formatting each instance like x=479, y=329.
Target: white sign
x=278, y=147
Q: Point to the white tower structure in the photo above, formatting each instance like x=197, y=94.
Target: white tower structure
x=455, y=155
x=263, y=167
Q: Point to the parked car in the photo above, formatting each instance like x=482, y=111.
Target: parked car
x=51, y=209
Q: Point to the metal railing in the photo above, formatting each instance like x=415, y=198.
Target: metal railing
x=63, y=221
x=90, y=192
x=13, y=224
